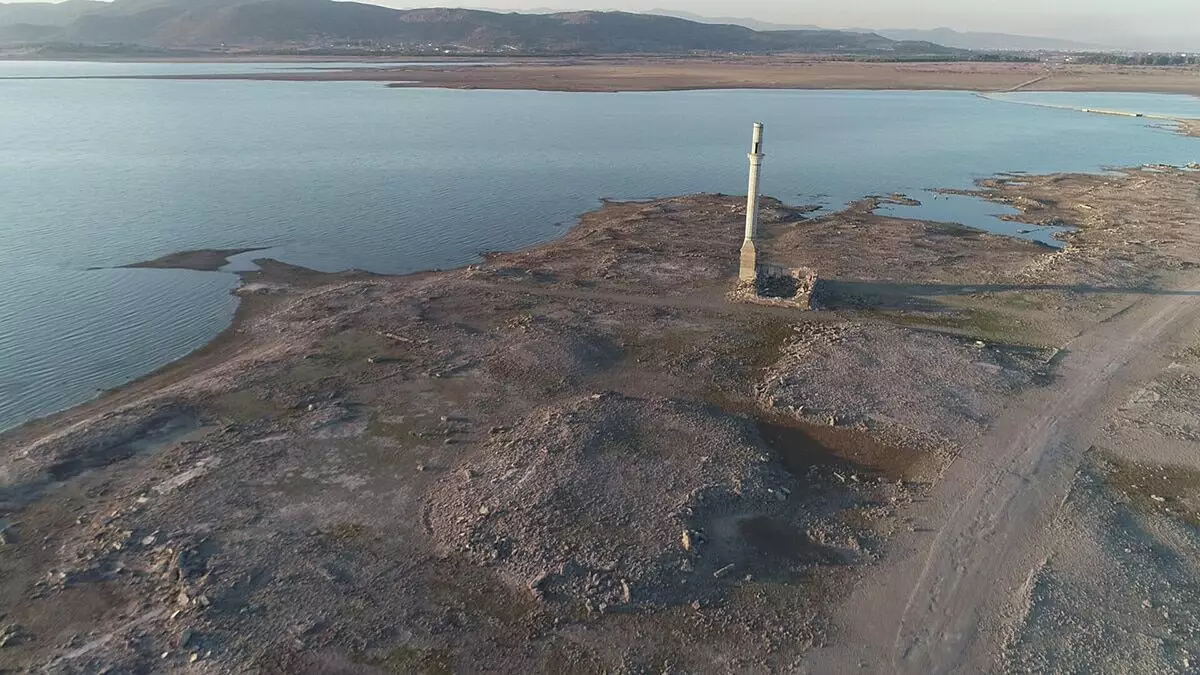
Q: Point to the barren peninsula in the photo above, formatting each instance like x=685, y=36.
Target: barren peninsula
x=583, y=457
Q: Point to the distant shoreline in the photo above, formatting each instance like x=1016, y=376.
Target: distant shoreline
x=651, y=73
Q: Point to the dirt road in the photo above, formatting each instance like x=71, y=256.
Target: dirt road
x=943, y=608
x=1030, y=83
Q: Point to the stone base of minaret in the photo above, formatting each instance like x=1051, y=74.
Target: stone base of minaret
x=775, y=285
x=748, y=270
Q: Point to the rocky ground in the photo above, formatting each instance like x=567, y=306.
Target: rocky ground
x=582, y=457
x=1122, y=584
x=1120, y=591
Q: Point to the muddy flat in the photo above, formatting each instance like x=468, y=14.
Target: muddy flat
x=202, y=260
x=976, y=454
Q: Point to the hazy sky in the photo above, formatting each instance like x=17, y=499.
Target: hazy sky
x=1168, y=24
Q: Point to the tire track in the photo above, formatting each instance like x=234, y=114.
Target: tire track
x=984, y=549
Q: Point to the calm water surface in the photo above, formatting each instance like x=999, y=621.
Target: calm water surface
x=334, y=175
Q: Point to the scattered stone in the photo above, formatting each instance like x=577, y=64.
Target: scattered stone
x=9, y=635
x=1158, y=499
x=723, y=571
x=185, y=637
x=535, y=585
x=686, y=540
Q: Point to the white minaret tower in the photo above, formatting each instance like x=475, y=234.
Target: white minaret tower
x=749, y=266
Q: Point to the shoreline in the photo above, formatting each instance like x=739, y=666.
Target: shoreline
x=273, y=271
x=255, y=298
x=229, y=342
x=347, y=421
x=1185, y=126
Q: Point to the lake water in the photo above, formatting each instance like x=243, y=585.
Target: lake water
x=61, y=69
x=98, y=173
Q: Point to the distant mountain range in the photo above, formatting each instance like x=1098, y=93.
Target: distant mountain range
x=989, y=41
x=191, y=24
x=737, y=21
x=942, y=36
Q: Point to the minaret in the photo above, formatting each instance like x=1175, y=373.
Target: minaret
x=749, y=266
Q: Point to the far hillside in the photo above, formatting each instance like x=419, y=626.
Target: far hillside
x=314, y=24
